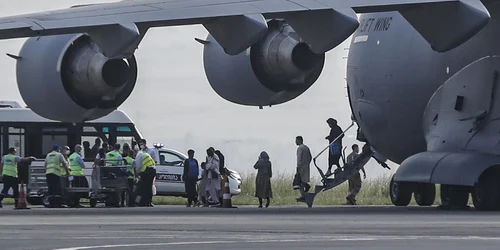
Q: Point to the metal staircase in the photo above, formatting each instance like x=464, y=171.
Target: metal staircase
x=339, y=177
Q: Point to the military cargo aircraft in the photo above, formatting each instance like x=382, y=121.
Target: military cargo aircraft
x=422, y=75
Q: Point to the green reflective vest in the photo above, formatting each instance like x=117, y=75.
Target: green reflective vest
x=53, y=161
x=75, y=167
x=9, y=165
x=112, y=158
x=129, y=161
x=147, y=161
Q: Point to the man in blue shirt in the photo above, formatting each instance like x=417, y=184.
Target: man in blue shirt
x=190, y=177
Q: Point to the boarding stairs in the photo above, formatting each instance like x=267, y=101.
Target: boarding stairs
x=339, y=177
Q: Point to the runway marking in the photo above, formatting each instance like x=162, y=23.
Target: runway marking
x=353, y=238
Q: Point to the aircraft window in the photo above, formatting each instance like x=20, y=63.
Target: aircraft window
x=169, y=159
x=459, y=103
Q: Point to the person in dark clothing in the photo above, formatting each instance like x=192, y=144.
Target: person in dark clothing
x=221, y=162
x=95, y=148
x=87, y=151
x=190, y=177
x=335, y=148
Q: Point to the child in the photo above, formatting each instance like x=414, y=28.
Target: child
x=202, y=191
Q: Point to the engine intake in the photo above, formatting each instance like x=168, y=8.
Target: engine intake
x=67, y=78
x=277, y=69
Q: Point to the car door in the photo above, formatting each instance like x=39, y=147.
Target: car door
x=169, y=174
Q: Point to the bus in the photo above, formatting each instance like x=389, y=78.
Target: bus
x=33, y=135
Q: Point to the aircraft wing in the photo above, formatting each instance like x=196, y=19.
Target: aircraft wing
x=144, y=14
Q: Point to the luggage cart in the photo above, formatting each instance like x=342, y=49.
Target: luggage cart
x=105, y=185
x=108, y=183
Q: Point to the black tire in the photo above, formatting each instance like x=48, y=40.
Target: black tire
x=34, y=201
x=486, y=193
x=400, y=193
x=454, y=196
x=425, y=194
x=93, y=202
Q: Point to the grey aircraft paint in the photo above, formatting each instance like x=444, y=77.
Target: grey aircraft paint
x=422, y=81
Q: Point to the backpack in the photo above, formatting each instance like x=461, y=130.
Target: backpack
x=193, y=168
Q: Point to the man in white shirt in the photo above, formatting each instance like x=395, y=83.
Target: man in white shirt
x=150, y=175
x=143, y=146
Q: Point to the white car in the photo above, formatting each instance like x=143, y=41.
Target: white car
x=169, y=173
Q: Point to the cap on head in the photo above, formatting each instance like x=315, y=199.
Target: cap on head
x=56, y=147
x=12, y=150
x=78, y=148
x=143, y=141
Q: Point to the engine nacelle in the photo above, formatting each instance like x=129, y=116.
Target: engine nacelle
x=277, y=69
x=66, y=78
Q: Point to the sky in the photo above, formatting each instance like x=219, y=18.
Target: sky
x=171, y=71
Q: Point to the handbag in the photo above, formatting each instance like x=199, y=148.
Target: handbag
x=297, y=182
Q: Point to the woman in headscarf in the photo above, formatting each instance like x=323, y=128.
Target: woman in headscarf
x=263, y=180
x=213, y=177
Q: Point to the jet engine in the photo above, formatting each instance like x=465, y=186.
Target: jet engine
x=67, y=78
x=277, y=69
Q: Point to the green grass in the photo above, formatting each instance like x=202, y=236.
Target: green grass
x=373, y=192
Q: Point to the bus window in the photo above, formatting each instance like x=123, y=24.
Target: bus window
x=1, y=142
x=48, y=141
x=16, y=139
x=88, y=144
x=125, y=139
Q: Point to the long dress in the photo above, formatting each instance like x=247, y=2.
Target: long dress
x=213, y=179
x=263, y=188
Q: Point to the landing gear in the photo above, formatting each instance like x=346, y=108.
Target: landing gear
x=400, y=193
x=454, y=197
x=486, y=192
x=425, y=194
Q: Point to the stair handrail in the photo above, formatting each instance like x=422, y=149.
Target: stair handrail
x=327, y=147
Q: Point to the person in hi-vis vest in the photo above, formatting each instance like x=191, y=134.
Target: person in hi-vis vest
x=55, y=165
x=77, y=178
x=128, y=160
x=8, y=167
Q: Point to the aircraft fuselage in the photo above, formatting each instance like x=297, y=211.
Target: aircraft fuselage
x=392, y=73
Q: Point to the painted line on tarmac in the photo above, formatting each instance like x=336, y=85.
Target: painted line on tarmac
x=353, y=238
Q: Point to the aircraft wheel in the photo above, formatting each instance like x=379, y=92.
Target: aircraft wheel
x=400, y=193
x=486, y=193
x=454, y=196
x=425, y=194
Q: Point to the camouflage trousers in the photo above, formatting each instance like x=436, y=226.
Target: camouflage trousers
x=354, y=185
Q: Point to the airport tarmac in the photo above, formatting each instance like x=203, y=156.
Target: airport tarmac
x=290, y=227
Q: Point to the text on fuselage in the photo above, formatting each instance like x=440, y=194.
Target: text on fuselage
x=374, y=24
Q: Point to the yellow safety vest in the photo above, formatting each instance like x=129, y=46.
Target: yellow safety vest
x=129, y=161
x=112, y=158
x=147, y=161
x=9, y=166
x=75, y=167
x=53, y=161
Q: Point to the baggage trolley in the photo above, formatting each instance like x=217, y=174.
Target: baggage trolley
x=108, y=183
